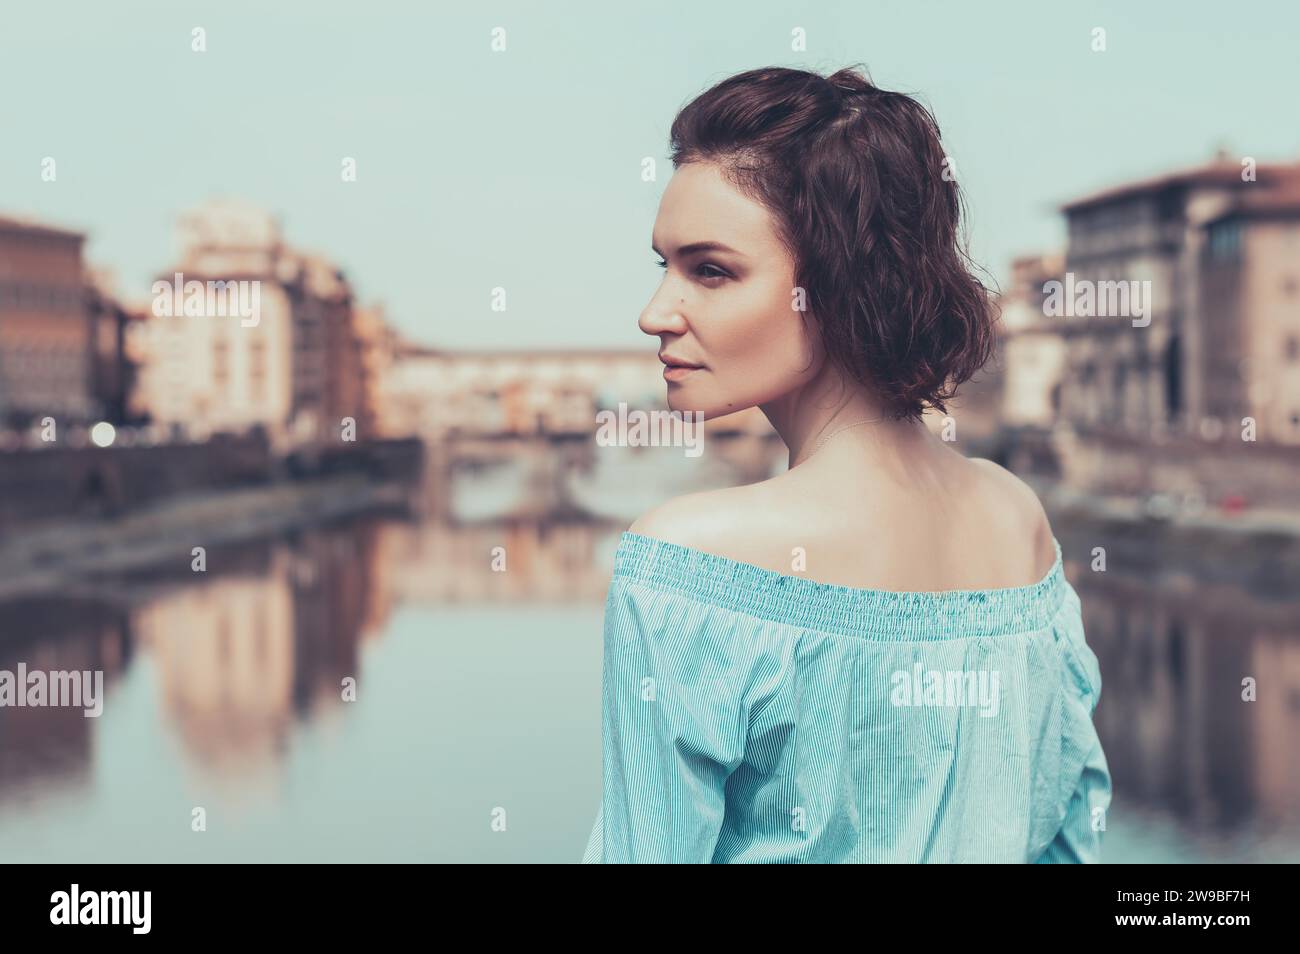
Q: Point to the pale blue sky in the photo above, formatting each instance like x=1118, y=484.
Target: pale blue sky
x=522, y=168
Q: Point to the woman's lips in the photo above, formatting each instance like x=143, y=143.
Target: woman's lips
x=675, y=372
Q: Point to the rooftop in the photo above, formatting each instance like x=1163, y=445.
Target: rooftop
x=10, y=223
x=1222, y=172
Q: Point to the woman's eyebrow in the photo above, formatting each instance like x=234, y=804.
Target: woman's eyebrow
x=700, y=247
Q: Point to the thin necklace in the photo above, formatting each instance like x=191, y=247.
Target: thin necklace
x=821, y=442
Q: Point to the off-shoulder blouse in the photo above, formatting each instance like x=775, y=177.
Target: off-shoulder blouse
x=751, y=716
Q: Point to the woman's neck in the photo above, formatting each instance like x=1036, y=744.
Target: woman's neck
x=829, y=412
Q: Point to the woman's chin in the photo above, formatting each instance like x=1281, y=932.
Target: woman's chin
x=681, y=402
x=706, y=410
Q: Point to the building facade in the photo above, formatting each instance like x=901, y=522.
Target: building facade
x=45, y=340
x=295, y=368
x=1031, y=346
x=1182, y=365
x=1196, y=394
x=1250, y=289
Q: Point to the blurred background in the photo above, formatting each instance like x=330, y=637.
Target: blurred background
x=390, y=478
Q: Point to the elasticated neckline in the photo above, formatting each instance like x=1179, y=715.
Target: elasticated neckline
x=830, y=607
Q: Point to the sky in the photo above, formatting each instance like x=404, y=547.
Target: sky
x=522, y=168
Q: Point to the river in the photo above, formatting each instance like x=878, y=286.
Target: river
x=472, y=734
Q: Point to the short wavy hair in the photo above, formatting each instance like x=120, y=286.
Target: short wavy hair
x=866, y=204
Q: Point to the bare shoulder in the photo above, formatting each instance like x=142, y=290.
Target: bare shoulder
x=754, y=523
x=1026, y=507
x=882, y=537
x=701, y=519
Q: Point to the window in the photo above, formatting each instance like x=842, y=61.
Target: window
x=1225, y=239
x=220, y=363
x=257, y=370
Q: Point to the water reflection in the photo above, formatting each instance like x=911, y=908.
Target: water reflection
x=44, y=748
x=477, y=686
x=1184, y=746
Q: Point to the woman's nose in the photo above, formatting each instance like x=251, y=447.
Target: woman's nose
x=663, y=316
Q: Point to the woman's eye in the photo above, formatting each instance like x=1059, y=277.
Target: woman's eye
x=703, y=270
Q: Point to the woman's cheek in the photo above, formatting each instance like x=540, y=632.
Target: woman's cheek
x=762, y=342
x=744, y=329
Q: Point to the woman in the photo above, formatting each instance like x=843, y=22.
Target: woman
x=874, y=656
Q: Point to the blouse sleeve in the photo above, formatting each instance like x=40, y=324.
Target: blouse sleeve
x=1078, y=841
x=680, y=682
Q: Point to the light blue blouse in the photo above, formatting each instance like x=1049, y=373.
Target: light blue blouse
x=754, y=717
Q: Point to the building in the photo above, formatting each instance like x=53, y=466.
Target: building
x=377, y=344
x=1031, y=348
x=45, y=342
x=275, y=344
x=211, y=372
x=1250, y=289
x=1173, y=374
x=1193, y=390
x=326, y=369
x=114, y=364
